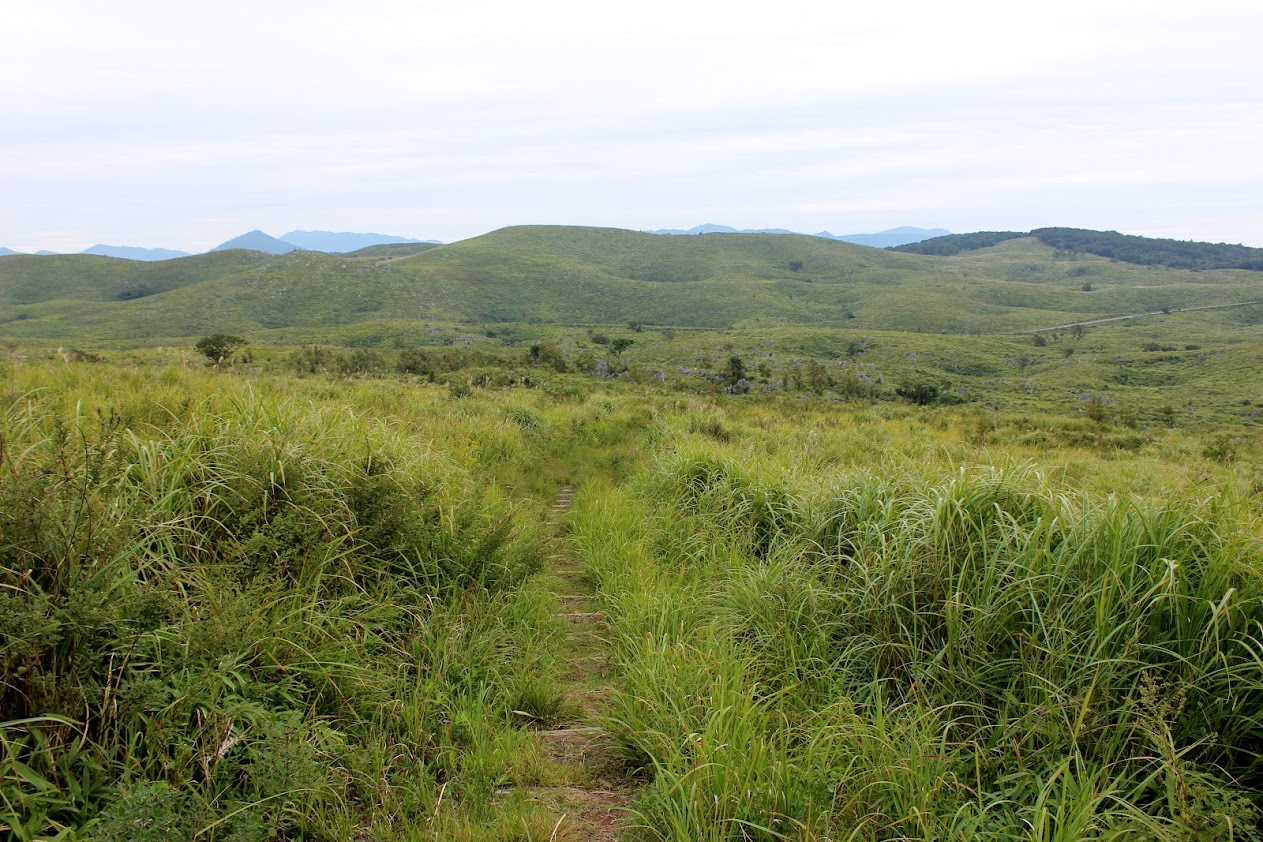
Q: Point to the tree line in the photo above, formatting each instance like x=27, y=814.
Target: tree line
x=1145, y=251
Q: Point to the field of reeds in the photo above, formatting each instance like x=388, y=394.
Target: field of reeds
x=262, y=606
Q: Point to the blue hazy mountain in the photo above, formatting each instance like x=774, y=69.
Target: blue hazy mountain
x=256, y=240
x=882, y=239
x=892, y=237
x=4, y=251
x=134, y=252
x=339, y=242
x=47, y=253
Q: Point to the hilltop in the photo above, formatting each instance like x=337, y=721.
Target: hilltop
x=256, y=240
x=1143, y=251
x=882, y=239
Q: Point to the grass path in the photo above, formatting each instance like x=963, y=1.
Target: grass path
x=593, y=788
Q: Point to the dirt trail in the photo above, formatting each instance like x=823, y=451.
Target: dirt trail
x=1168, y=312
x=590, y=803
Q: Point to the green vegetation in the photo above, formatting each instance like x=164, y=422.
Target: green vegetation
x=585, y=277
x=982, y=561
x=219, y=347
x=1144, y=251
x=837, y=628
x=1149, y=251
x=327, y=613
x=392, y=250
x=231, y=616
x=951, y=244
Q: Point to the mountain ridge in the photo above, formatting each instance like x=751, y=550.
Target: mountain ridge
x=134, y=252
x=256, y=240
x=342, y=242
x=881, y=239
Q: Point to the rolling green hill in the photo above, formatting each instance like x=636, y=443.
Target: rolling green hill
x=1145, y=251
x=30, y=279
x=598, y=276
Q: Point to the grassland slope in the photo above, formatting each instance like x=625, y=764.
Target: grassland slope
x=598, y=276
x=1144, y=251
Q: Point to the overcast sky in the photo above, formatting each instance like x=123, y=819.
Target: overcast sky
x=182, y=125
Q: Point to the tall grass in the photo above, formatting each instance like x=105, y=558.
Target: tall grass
x=231, y=615
x=915, y=654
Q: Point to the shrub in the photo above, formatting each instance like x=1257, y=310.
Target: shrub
x=219, y=347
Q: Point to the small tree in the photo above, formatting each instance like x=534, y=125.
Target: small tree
x=921, y=393
x=851, y=385
x=361, y=361
x=310, y=359
x=219, y=347
x=414, y=361
x=1097, y=411
x=549, y=354
x=621, y=344
x=736, y=370
x=818, y=378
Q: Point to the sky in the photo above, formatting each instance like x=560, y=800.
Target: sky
x=180, y=125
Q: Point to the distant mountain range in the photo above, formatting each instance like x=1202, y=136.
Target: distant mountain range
x=332, y=242
x=134, y=252
x=889, y=238
x=342, y=242
x=326, y=241
x=4, y=251
x=256, y=240
x=882, y=239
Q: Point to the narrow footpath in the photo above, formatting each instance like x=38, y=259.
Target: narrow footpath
x=590, y=802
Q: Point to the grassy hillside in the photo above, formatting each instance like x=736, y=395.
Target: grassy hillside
x=389, y=250
x=30, y=279
x=1144, y=251
x=950, y=244
x=582, y=276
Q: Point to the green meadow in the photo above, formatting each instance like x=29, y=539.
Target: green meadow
x=598, y=276
x=578, y=534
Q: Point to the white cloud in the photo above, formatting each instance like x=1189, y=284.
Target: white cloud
x=168, y=124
